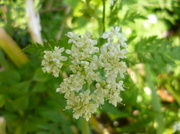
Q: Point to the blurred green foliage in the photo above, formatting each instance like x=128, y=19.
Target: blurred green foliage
x=28, y=100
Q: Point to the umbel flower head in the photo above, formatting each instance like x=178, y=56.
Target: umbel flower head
x=95, y=71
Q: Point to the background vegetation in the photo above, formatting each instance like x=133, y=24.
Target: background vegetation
x=28, y=100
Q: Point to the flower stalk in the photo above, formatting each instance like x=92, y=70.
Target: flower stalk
x=85, y=126
x=104, y=14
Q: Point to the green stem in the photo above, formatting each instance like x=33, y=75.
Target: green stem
x=104, y=13
x=85, y=126
x=155, y=103
x=174, y=94
x=93, y=15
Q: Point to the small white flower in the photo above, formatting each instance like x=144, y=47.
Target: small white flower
x=106, y=35
x=73, y=37
x=114, y=99
x=52, y=61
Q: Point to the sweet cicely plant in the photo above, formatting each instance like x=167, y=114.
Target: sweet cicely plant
x=95, y=71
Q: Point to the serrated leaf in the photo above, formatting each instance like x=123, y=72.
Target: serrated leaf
x=144, y=42
x=131, y=16
x=153, y=47
x=33, y=48
x=175, y=52
x=152, y=50
x=47, y=46
x=157, y=58
x=167, y=59
x=113, y=17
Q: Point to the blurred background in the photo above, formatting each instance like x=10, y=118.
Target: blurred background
x=29, y=103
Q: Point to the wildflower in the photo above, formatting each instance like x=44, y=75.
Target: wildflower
x=95, y=71
x=111, y=54
x=52, y=61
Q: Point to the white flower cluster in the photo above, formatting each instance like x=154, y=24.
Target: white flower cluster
x=52, y=61
x=95, y=71
x=110, y=54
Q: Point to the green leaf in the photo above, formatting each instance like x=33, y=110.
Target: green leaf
x=22, y=87
x=175, y=52
x=38, y=48
x=2, y=100
x=113, y=17
x=144, y=42
x=21, y=103
x=47, y=46
x=157, y=57
x=130, y=2
x=17, y=89
x=131, y=16
x=152, y=50
x=57, y=117
x=114, y=112
x=9, y=77
x=52, y=115
x=39, y=87
x=167, y=60
x=3, y=61
x=40, y=76
x=71, y=3
x=19, y=129
x=131, y=38
x=33, y=48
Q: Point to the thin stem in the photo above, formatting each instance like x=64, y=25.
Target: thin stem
x=85, y=126
x=93, y=15
x=59, y=35
x=155, y=103
x=173, y=93
x=104, y=13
